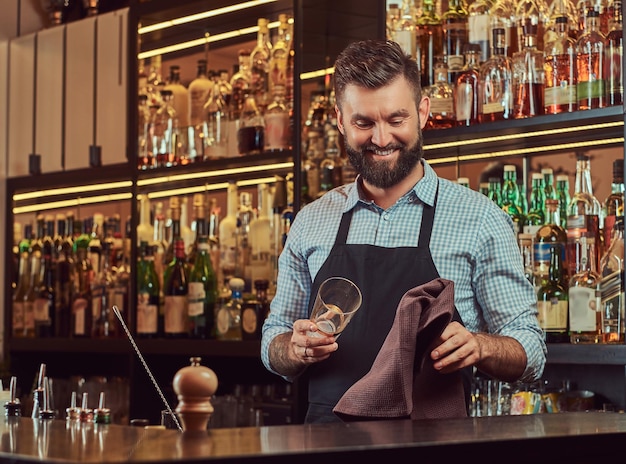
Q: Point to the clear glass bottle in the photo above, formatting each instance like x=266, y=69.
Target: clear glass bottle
x=502, y=16
x=165, y=130
x=585, y=312
x=583, y=213
x=466, y=88
x=429, y=33
x=534, y=12
x=478, y=27
x=495, y=89
x=228, y=235
x=525, y=243
x=251, y=129
x=528, y=76
x=404, y=32
x=215, y=124
x=560, y=71
x=279, y=56
x=228, y=316
x=612, y=286
x=176, y=285
x=240, y=83
x=180, y=96
x=614, y=60
x=613, y=205
x=441, y=95
x=552, y=301
x=260, y=66
x=277, y=123
x=202, y=293
x=590, y=55
x=199, y=89
x=455, y=35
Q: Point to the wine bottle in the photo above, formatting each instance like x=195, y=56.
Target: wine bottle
x=254, y=312
x=176, y=288
x=202, y=292
x=149, y=318
x=552, y=301
x=585, y=312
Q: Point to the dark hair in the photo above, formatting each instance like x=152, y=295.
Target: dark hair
x=373, y=64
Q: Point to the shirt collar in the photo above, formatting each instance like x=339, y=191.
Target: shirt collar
x=425, y=189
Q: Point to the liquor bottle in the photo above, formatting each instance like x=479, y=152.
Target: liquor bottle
x=102, y=295
x=525, y=243
x=511, y=197
x=19, y=296
x=585, y=311
x=59, y=235
x=614, y=60
x=534, y=12
x=536, y=205
x=612, y=286
x=95, y=252
x=548, y=235
x=149, y=317
x=552, y=301
x=562, y=194
x=502, y=16
x=175, y=233
x=82, y=315
x=466, y=88
x=613, y=205
x=483, y=187
x=145, y=149
x=276, y=120
x=590, y=55
x=215, y=123
x=240, y=83
x=279, y=57
x=45, y=304
x=455, y=35
x=560, y=71
x=495, y=89
x=199, y=89
x=583, y=213
x=254, y=312
x=244, y=217
x=478, y=27
x=528, y=76
x=180, y=96
x=441, y=95
x=165, y=129
x=202, y=293
x=201, y=225
x=260, y=66
x=251, y=131
x=176, y=288
x=429, y=33
x=158, y=244
x=495, y=191
x=548, y=187
x=404, y=31
x=261, y=235
x=185, y=231
x=145, y=229
x=228, y=315
x=65, y=272
x=228, y=234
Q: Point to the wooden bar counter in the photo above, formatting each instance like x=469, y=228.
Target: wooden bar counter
x=567, y=437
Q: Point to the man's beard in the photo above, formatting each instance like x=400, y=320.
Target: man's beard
x=382, y=173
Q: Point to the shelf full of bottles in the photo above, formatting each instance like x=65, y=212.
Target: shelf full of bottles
x=486, y=61
x=572, y=247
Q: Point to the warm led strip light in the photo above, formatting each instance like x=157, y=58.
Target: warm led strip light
x=499, y=138
x=207, y=188
x=207, y=39
x=70, y=203
x=318, y=73
x=524, y=151
x=203, y=15
x=71, y=190
x=222, y=172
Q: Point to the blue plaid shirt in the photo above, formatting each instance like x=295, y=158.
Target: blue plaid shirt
x=473, y=243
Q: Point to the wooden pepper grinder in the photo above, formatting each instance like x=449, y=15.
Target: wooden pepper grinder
x=195, y=385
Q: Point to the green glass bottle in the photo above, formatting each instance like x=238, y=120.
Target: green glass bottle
x=149, y=316
x=536, y=216
x=511, y=197
x=494, y=191
x=202, y=292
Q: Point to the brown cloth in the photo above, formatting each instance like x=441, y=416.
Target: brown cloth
x=402, y=381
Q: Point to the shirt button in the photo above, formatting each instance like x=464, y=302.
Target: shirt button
x=386, y=217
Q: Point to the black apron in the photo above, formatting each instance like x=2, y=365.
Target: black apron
x=383, y=275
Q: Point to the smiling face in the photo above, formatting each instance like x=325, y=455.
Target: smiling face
x=382, y=131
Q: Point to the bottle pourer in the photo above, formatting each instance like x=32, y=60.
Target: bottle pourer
x=13, y=407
